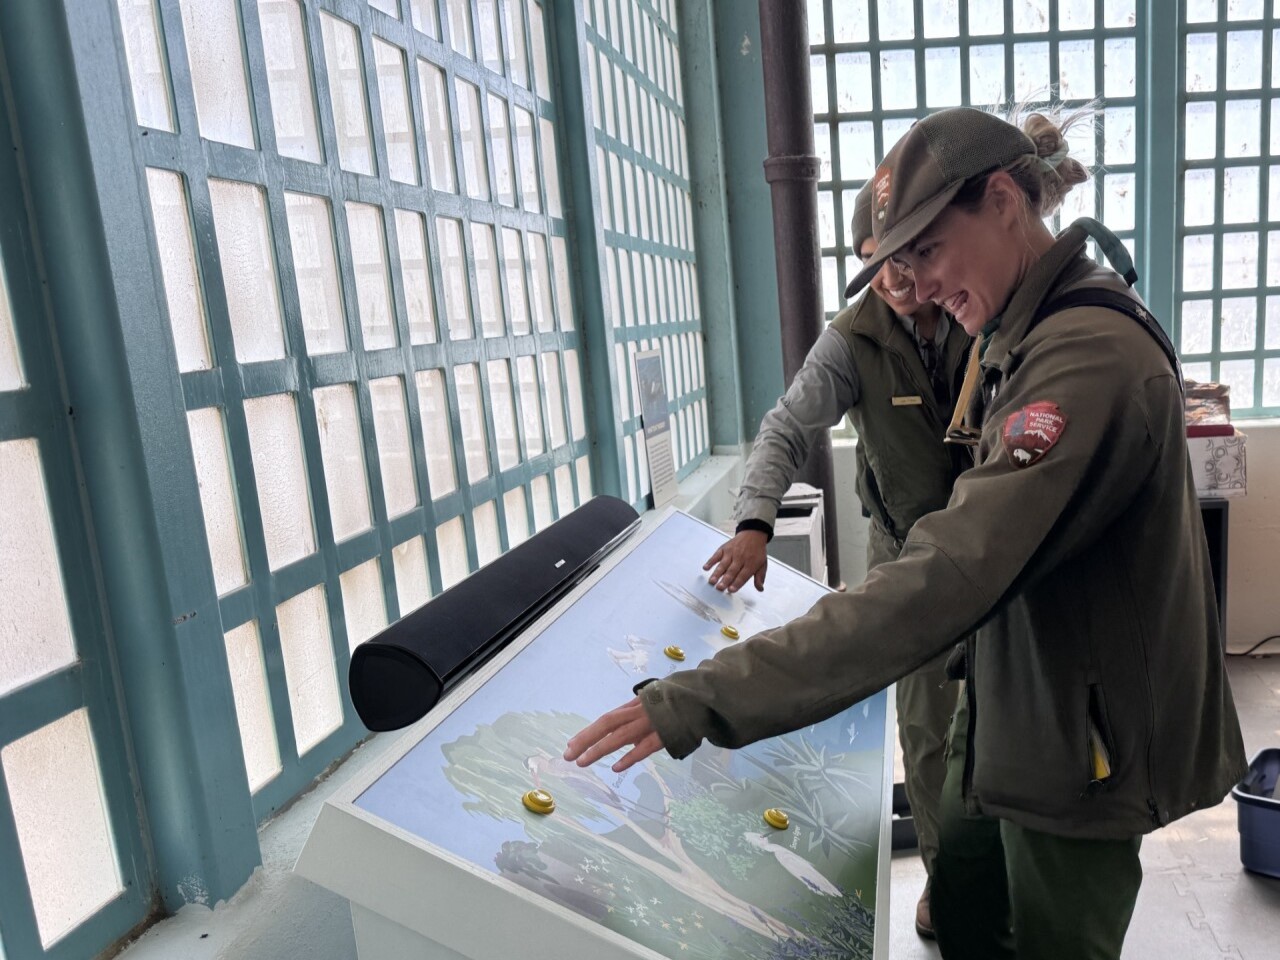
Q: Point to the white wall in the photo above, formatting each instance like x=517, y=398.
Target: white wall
x=1253, y=539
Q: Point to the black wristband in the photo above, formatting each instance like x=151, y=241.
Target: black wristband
x=642, y=684
x=755, y=524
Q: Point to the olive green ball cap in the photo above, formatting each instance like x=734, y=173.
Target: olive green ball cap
x=862, y=219
x=926, y=169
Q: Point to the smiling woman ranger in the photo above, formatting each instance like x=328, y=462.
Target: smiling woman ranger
x=894, y=364
x=1098, y=707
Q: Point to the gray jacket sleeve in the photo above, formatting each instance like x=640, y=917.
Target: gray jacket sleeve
x=823, y=389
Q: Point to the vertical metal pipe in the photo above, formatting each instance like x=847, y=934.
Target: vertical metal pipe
x=792, y=172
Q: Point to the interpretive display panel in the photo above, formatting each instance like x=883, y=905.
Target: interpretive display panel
x=669, y=859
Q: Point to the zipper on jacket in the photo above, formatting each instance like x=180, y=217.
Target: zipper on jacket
x=966, y=781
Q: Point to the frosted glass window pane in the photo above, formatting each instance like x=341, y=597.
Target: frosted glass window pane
x=55, y=789
x=564, y=301
x=148, y=73
x=822, y=143
x=500, y=140
x=1244, y=60
x=941, y=77
x=1120, y=13
x=1239, y=323
x=1200, y=189
x=1119, y=68
x=488, y=543
x=555, y=402
x=436, y=421
x=1239, y=260
x=1240, y=195
x=818, y=84
x=451, y=545
x=896, y=19
x=1197, y=326
x=425, y=18
x=281, y=478
x=1273, y=259
x=986, y=16
x=390, y=7
x=517, y=517
x=212, y=29
x=1245, y=9
x=541, y=489
x=538, y=41
x=471, y=129
x=315, y=269
x=1031, y=71
x=1075, y=70
x=397, y=118
x=10, y=361
x=373, y=286
x=415, y=273
x=504, y=414
x=530, y=405
x=573, y=383
x=413, y=583
x=986, y=74
x=540, y=284
x=487, y=23
x=470, y=409
x=564, y=490
x=457, y=300
x=459, y=14
x=253, y=704
x=550, y=167
x=248, y=269
x=513, y=267
x=1118, y=199
x=526, y=161
x=898, y=79
x=347, y=94
x=307, y=651
x=217, y=498
x=342, y=451
x=1200, y=139
x=1202, y=11
x=1238, y=375
x=1118, y=145
x=517, y=58
x=1197, y=263
x=35, y=630
x=395, y=452
x=363, y=602
x=293, y=106
x=583, y=467
x=171, y=221
x=1273, y=323
x=1241, y=130
x=1072, y=14
x=488, y=288
x=435, y=113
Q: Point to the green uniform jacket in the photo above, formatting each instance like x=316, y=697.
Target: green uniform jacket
x=903, y=468
x=1085, y=574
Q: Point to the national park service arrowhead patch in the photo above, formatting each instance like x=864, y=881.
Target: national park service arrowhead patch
x=1031, y=432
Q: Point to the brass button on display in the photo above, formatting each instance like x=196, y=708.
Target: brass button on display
x=730, y=632
x=776, y=818
x=539, y=801
x=674, y=652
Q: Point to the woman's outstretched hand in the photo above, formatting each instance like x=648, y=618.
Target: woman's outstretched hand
x=628, y=725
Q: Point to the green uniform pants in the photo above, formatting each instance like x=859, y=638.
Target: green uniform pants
x=926, y=699
x=1004, y=892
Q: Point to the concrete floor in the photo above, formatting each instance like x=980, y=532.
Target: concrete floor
x=1196, y=903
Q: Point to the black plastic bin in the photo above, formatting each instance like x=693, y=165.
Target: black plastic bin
x=1259, y=814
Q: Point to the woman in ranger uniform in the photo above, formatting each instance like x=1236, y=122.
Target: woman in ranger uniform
x=893, y=364
x=1098, y=708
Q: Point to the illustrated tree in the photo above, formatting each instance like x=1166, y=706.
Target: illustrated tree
x=518, y=751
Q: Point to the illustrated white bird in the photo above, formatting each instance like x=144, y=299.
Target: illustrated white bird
x=852, y=730
x=703, y=609
x=636, y=657
x=794, y=864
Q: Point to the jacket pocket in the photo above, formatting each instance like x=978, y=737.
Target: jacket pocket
x=1101, y=743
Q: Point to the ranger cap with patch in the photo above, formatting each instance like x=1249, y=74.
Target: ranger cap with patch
x=926, y=169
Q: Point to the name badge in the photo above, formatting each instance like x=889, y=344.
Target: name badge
x=908, y=401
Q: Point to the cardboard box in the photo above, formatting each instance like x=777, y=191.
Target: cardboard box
x=1218, y=465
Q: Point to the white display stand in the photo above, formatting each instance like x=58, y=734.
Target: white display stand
x=413, y=898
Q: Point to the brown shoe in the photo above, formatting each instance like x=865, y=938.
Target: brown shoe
x=924, y=922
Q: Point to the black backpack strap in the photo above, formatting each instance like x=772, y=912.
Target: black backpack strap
x=1121, y=303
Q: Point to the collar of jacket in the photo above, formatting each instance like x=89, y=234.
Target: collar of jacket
x=1058, y=265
